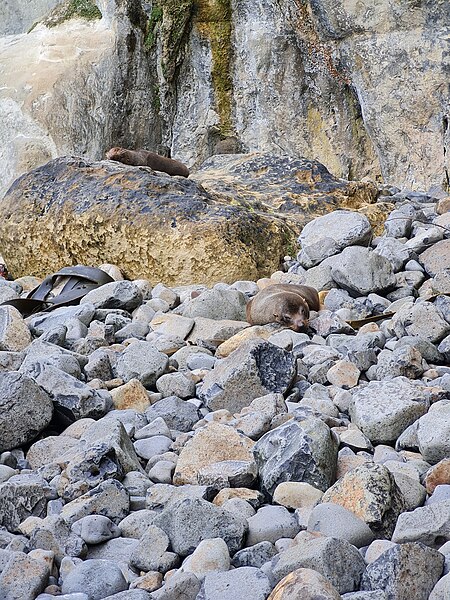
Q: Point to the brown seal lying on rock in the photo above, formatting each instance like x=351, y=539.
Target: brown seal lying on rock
x=144, y=158
x=284, y=303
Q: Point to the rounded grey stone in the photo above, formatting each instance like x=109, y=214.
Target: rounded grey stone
x=327, y=235
x=217, y=304
x=337, y=560
x=150, y=554
x=271, y=523
x=433, y=432
x=149, y=447
x=200, y=361
x=177, y=413
x=140, y=360
x=187, y=522
x=254, y=556
x=441, y=492
x=336, y=521
x=427, y=524
x=25, y=410
x=362, y=271
x=243, y=582
x=118, y=294
x=176, y=384
x=95, y=529
x=381, y=420
x=97, y=578
x=441, y=590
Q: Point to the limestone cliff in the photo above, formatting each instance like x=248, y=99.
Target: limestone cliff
x=361, y=86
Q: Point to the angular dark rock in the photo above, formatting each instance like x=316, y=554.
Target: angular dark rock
x=255, y=369
x=393, y=571
x=300, y=450
x=72, y=398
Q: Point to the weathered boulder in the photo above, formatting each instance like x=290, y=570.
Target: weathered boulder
x=167, y=229
x=391, y=571
x=245, y=582
x=379, y=418
x=187, y=522
x=25, y=410
x=427, y=524
x=94, y=577
x=109, y=498
x=328, y=235
x=362, y=272
x=72, y=398
x=306, y=584
x=303, y=450
x=14, y=333
x=105, y=452
x=436, y=259
x=33, y=577
x=335, y=559
x=211, y=444
x=22, y=496
x=254, y=369
x=370, y=492
x=297, y=189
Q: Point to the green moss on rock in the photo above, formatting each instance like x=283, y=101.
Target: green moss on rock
x=73, y=9
x=154, y=20
x=214, y=21
x=169, y=19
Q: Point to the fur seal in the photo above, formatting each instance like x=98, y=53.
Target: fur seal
x=144, y=158
x=284, y=303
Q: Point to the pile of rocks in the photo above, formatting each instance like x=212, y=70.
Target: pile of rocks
x=154, y=445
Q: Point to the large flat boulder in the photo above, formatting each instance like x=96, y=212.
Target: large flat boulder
x=294, y=189
x=166, y=229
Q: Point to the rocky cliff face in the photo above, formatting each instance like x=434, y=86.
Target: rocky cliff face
x=75, y=85
x=359, y=86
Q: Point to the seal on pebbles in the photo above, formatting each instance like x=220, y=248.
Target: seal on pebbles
x=284, y=303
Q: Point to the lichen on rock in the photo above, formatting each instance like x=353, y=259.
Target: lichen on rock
x=214, y=22
x=73, y=9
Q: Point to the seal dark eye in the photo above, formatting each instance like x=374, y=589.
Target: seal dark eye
x=286, y=319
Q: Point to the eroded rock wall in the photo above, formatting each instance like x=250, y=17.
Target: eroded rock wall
x=75, y=88
x=17, y=16
x=362, y=87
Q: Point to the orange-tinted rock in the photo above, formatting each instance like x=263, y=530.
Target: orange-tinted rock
x=211, y=444
x=370, y=492
x=438, y=475
x=304, y=584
